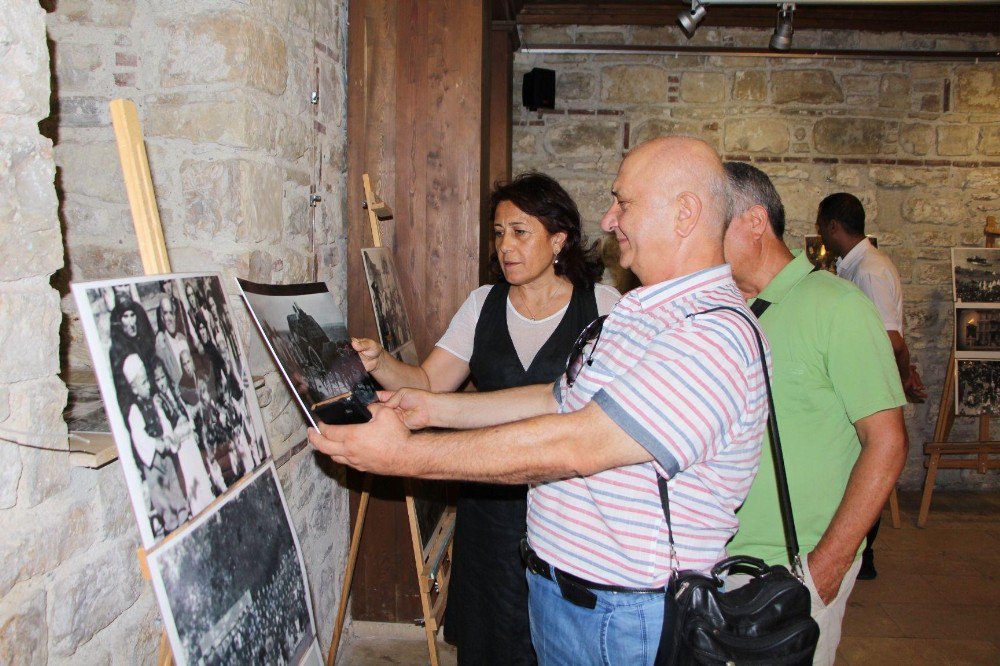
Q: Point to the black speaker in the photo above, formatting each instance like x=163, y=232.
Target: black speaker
x=538, y=89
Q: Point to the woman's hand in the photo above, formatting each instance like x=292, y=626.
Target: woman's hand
x=413, y=406
x=369, y=351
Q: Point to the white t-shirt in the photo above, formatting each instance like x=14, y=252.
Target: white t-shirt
x=528, y=335
x=874, y=273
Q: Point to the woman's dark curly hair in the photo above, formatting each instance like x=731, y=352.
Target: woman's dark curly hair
x=542, y=197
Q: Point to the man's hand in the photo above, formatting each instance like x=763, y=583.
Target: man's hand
x=827, y=574
x=370, y=447
x=913, y=387
x=413, y=406
x=369, y=351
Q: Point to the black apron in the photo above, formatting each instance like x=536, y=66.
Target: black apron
x=487, y=613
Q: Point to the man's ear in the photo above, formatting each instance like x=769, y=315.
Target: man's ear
x=759, y=222
x=688, y=213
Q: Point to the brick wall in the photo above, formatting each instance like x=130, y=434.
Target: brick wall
x=236, y=147
x=917, y=142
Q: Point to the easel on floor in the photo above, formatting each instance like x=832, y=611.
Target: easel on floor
x=433, y=561
x=149, y=233
x=984, y=449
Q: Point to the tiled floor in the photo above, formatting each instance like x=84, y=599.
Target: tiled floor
x=936, y=599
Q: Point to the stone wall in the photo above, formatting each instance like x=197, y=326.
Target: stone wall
x=236, y=146
x=917, y=142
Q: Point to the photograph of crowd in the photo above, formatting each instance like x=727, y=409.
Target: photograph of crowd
x=232, y=589
x=977, y=388
x=977, y=332
x=307, y=335
x=177, y=393
x=390, y=315
x=977, y=274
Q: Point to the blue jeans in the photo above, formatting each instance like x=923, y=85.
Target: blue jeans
x=624, y=628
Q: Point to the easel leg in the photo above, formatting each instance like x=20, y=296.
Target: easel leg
x=359, y=524
x=925, y=500
x=166, y=655
x=894, y=508
x=431, y=644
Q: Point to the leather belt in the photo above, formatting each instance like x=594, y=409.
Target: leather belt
x=576, y=590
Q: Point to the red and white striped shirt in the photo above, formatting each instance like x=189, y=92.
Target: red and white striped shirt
x=688, y=389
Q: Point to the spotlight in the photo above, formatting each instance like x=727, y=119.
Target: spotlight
x=689, y=20
x=781, y=40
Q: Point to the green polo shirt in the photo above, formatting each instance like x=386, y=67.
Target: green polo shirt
x=832, y=365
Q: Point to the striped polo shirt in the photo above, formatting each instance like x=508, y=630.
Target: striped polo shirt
x=688, y=389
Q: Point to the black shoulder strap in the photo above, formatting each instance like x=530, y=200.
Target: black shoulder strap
x=759, y=306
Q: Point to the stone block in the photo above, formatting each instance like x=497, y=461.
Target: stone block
x=26, y=183
x=23, y=628
x=82, y=112
x=896, y=178
x=235, y=200
x=45, y=474
x=588, y=140
x=956, y=139
x=750, y=85
x=932, y=272
x=96, y=13
x=24, y=85
x=27, y=548
x=757, y=135
x=847, y=177
x=224, y=48
x=114, y=508
x=989, y=140
x=634, y=84
x=859, y=84
x=78, y=68
x=800, y=199
x=30, y=351
x=236, y=121
x=10, y=471
x=703, y=87
x=92, y=590
x=77, y=162
x=894, y=91
x=942, y=207
x=650, y=129
x=977, y=88
x=852, y=136
x=575, y=86
x=805, y=87
x=916, y=138
x=91, y=262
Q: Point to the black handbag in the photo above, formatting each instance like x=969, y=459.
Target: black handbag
x=767, y=621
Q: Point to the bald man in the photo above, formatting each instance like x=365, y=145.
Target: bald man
x=663, y=390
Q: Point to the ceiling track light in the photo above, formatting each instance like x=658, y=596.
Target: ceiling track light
x=781, y=40
x=689, y=19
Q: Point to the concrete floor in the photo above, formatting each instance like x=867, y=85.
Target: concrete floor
x=936, y=599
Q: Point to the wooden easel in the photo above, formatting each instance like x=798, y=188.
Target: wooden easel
x=148, y=232
x=984, y=449
x=433, y=563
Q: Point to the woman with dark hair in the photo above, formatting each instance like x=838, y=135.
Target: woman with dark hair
x=131, y=333
x=514, y=333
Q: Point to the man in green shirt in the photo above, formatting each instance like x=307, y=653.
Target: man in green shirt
x=838, y=400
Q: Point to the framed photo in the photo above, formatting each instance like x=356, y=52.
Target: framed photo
x=177, y=392
x=817, y=254
x=976, y=273
x=307, y=335
x=232, y=587
x=390, y=315
x=977, y=387
x=977, y=332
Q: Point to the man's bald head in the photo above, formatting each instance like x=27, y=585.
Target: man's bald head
x=671, y=208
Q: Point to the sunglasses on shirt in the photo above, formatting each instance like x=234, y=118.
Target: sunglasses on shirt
x=590, y=334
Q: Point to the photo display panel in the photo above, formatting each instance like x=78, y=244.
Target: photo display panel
x=976, y=279
x=390, y=314
x=177, y=391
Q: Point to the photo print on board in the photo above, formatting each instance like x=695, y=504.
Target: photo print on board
x=232, y=589
x=306, y=333
x=177, y=392
x=977, y=387
x=390, y=315
x=976, y=273
x=977, y=332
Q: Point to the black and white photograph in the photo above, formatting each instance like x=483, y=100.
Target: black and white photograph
x=390, y=315
x=232, y=588
x=976, y=274
x=977, y=387
x=177, y=393
x=977, y=332
x=306, y=333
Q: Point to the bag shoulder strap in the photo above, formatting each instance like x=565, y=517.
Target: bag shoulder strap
x=784, y=499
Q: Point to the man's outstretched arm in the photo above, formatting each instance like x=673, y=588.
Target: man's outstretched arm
x=421, y=409
x=543, y=448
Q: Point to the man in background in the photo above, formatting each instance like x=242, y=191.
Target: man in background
x=837, y=398
x=841, y=223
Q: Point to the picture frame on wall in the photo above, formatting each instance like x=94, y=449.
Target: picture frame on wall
x=977, y=387
x=976, y=274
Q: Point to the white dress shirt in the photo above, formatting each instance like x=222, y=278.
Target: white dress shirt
x=874, y=273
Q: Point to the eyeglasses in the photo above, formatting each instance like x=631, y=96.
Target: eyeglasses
x=590, y=334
